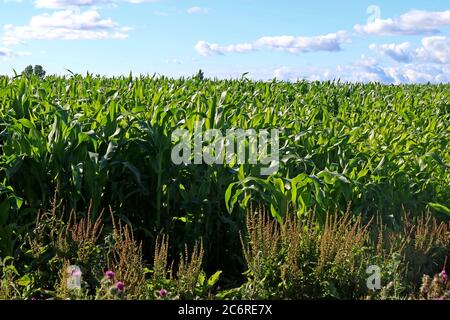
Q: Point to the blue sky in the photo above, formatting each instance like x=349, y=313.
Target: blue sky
x=388, y=41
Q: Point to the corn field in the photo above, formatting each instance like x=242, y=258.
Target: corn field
x=99, y=143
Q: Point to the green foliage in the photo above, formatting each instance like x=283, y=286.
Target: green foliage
x=8, y=275
x=106, y=142
x=200, y=75
x=39, y=269
x=300, y=259
x=28, y=71
x=190, y=281
x=37, y=71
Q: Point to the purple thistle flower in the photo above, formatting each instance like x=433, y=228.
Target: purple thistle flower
x=75, y=273
x=110, y=274
x=120, y=286
x=162, y=293
x=444, y=276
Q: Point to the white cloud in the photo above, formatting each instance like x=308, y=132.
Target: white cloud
x=415, y=22
x=65, y=25
x=420, y=73
x=399, y=52
x=63, y=4
x=295, y=45
x=435, y=49
x=363, y=70
x=197, y=10
x=366, y=62
x=283, y=73
x=207, y=49
x=5, y=52
x=368, y=70
x=59, y=4
x=329, y=42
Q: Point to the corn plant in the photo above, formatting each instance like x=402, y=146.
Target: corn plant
x=103, y=142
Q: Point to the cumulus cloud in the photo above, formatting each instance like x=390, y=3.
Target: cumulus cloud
x=58, y=4
x=329, y=42
x=370, y=70
x=399, y=52
x=207, y=49
x=435, y=49
x=291, y=44
x=415, y=22
x=63, y=4
x=65, y=25
x=366, y=62
x=420, y=73
x=197, y=10
x=283, y=73
x=363, y=70
x=349, y=73
x=5, y=52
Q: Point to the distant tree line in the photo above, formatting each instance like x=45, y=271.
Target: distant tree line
x=37, y=71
